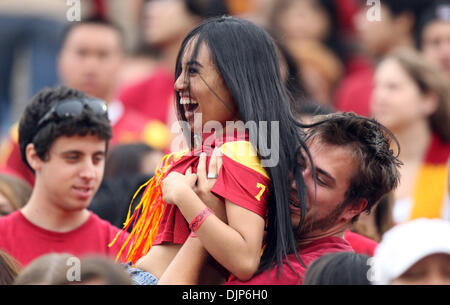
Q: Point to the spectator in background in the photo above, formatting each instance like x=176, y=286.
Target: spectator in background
x=9, y=268
x=414, y=253
x=166, y=24
x=32, y=29
x=63, y=136
x=89, y=61
x=412, y=98
x=396, y=28
x=295, y=21
x=45, y=270
x=132, y=159
x=374, y=225
x=292, y=78
x=14, y=194
x=58, y=269
x=321, y=70
x=127, y=168
x=433, y=35
x=97, y=270
x=341, y=268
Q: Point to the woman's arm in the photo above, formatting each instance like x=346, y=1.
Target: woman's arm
x=236, y=246
x=186, y=267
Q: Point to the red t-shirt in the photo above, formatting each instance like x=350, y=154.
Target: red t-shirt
x=151, y=97
x=308, y=253
x=355, y=92
x=25, y=241
x=242, y=180
x=360, y=243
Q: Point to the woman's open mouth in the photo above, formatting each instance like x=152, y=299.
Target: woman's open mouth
x=190, y=107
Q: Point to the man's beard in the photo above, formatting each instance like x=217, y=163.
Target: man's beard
x=322, y=224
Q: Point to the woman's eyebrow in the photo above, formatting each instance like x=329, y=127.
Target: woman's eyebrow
x=194, y=63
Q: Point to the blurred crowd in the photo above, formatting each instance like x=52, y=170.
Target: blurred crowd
x=388, y=60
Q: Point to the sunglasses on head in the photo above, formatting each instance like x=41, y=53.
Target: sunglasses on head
x=73, y=108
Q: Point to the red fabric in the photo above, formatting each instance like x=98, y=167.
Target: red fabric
x=129, y=128
x=232, y=184
x=237, y=183
x=438, y=151
x=151, y=97
x=346, y=10
x=26, y=241
x=307, y=254
x=361, y=244
x=354, y=93
x=14, y=163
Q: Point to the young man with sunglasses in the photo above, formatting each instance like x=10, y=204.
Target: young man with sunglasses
x=90, y=60
x=63, y=137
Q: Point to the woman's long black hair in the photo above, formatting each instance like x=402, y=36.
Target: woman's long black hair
x=245, y=56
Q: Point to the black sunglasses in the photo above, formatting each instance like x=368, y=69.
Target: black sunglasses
x=73, y=108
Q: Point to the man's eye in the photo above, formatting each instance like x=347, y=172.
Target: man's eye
x=71, y=157
x=98, y=159
x=321, y=182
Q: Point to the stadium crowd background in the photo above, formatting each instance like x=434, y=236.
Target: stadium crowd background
x=387, y=59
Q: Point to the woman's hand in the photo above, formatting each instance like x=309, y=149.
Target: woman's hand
x=205, y=184
x=175, y=184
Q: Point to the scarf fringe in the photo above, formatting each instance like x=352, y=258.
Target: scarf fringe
x=147, y=214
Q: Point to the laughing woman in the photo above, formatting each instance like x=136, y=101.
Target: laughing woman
x=227, y=70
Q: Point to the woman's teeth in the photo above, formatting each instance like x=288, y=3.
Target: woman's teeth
x=187, y=101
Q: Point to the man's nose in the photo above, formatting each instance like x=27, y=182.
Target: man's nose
x=88, y=171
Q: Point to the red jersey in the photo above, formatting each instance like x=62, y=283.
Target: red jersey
x=308, y=253
x=151, y=97
x=242, y=180
x=360, y=243
x=354, y=93
x=25, y=241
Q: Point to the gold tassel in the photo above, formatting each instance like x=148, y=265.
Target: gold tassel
x=147, y=214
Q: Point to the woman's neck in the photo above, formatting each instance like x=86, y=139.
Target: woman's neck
x=414, y=141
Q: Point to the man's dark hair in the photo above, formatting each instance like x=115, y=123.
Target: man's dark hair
x=341, y=268
x=377, y=172
x=95, y=20
x=43, y=136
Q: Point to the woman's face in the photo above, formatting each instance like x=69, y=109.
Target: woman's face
x=431, y=270
x=167, y=22
x=303, y=19
x=436, y=43
x=208, y=94
x=397, y=101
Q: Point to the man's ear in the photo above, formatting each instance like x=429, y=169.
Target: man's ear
x=32, y=158
x=354, y=209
